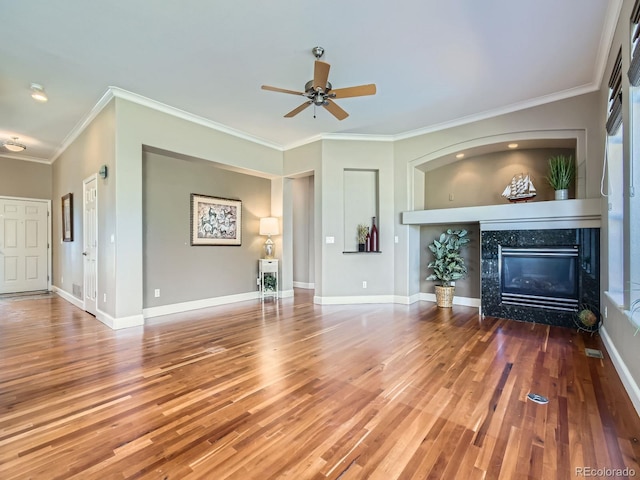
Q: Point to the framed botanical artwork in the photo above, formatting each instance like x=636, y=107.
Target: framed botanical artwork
x=67, y=217
x=215, y=221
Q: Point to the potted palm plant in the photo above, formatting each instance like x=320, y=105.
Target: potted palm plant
x=561, y=172
x=448, y=264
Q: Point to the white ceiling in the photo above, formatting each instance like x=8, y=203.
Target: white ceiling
x=434, y=62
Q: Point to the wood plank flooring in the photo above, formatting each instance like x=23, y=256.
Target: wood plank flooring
x=294, y=390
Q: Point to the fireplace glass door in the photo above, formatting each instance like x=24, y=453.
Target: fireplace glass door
x=539, y=277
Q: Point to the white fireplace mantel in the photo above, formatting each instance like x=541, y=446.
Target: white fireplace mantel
x=577, y=213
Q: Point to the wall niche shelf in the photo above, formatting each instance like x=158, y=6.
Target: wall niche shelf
x=362, y=253
x=579, y=212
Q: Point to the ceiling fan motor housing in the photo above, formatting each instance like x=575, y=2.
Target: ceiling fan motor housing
x=319, y=97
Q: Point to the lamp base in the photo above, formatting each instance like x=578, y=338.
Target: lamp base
x=269, y=249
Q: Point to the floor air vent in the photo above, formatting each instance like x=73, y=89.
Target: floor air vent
x=591, y=352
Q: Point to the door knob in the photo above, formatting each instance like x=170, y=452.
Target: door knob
x=84, y=253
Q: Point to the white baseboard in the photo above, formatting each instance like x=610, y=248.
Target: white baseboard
x=68, y=297
x=629, y=383
x=151, y=312
x=120, y=322
x=286, y=293
x=308, y=286
x=108, y=320
x=464, y=301
x=358, y=299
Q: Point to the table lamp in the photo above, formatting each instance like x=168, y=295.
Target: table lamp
x=269, y=226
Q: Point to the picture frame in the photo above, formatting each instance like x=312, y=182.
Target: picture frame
x=67, y=217
x=215, y=221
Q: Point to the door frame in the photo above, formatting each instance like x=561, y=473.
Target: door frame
x=90, y=178
x=49, y=237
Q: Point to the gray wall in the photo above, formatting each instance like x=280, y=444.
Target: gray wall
x=183, y=272
x=468, y=287
x=19, y=178
x=343, y=273
x=303, y=245
x=94, y=147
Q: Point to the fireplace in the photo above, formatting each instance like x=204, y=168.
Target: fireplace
x=539, y=277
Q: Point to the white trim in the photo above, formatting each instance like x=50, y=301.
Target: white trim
x=25, y=158
x=286, y=293
x=190, y=117
x=120, y=322
x=496, y=112
x=82, y=124
x=68, y=297
x=308, y=286
x=629, y=383
x=364, y=299
x=151, y=312
x=464, y=301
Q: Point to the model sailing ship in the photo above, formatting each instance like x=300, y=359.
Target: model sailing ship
x=520, y=189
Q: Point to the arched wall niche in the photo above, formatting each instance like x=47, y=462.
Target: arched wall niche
x=527, y=140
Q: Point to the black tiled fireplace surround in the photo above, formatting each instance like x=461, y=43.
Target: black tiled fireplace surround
x=588, y=240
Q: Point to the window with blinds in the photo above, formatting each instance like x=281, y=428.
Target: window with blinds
x=634, y=68
x=614, y=119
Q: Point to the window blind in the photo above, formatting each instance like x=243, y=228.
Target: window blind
x=634, y=68
x=614, y=119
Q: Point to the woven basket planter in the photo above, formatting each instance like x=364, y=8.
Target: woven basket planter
x=444, y=296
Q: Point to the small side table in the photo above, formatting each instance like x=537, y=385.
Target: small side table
x=268, y=277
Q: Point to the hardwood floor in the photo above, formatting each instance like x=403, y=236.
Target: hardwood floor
x=301, y=391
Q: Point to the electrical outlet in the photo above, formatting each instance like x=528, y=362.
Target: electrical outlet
x=61, y=279
x=364, y=284
x=605, y=311
x=156, y=292
x=104, y=297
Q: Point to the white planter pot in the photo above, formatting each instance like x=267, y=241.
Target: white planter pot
x=562, y=194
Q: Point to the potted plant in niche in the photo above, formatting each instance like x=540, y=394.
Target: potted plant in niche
x=363, y=231
x=561, y=172
x=448, y=264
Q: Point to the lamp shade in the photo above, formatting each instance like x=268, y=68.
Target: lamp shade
x=269, y=226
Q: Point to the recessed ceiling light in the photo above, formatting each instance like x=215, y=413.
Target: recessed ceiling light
x=38, y=93
x=513, y=145
x=460, y=155
x=13, y=145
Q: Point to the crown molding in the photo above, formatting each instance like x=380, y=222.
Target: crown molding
x=83, y=123
x=190, y=117
x=514, y=107
x=25, y=158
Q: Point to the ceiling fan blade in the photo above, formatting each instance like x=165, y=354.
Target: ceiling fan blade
x=321, y=75
x=335, y=110
x=281, y=90
x=297, y=110
x=358, y=91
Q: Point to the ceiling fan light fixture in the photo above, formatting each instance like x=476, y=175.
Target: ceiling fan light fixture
x=38, y=93
x=13, y=145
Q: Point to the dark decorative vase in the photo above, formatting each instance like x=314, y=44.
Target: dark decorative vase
x=374, y=236
x=361, y=247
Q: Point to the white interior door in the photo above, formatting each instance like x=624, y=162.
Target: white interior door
x=24, y=249
x=90, y=242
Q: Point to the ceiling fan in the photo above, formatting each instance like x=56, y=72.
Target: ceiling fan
x=320, y=92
